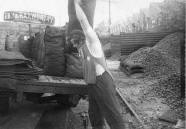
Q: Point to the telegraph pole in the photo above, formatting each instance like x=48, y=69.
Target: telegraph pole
x=109, y=17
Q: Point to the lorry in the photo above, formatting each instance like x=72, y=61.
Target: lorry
x=68, y=90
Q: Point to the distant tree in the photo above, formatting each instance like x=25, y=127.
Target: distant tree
x=172, y=15
x=102, y=28
x=168, y=15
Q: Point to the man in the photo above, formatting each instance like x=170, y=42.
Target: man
x=103, y=103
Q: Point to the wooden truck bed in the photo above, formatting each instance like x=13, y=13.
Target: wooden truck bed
x=47, y=84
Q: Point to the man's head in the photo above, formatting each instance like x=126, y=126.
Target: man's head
x=77, y=38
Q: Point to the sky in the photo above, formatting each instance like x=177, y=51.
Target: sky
x=120, y=9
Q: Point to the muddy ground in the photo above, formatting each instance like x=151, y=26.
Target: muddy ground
x=53, y=116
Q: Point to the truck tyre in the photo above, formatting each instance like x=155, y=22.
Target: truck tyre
x=68, y=100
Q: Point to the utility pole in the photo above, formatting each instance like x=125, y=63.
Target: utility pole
x=109, y=17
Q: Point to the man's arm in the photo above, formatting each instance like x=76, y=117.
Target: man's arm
x=93, y=42
x=81, y=16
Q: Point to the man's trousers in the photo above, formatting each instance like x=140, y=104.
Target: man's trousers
x=103, y=104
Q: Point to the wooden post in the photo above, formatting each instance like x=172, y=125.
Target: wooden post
x=30, y=30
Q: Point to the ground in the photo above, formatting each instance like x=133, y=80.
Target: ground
x=52, y=116
x=148, y=107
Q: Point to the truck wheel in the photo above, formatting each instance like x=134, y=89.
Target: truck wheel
x=33, y=97
x=68, y=100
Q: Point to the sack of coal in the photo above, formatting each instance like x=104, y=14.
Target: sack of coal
x=54, y=60
x=74, y=67
x=38, y=50
x=15, y=66
x=54, y=34
x=11, y=43
x=25, y=45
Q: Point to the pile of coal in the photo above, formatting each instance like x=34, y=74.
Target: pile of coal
x=153, y=62
x=48, y=51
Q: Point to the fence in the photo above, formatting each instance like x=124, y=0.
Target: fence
x=127, y=43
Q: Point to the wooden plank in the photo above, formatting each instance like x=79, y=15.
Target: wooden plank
x=118, y=43
x=66, y=80
x=130, y=108
x=147, y=33
x=52, y=89
x=136, y=38
x=68, y=86
x=134, y=41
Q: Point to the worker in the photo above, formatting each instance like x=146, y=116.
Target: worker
x=103, y=103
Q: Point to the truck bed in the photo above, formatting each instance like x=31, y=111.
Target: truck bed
x=47, y=84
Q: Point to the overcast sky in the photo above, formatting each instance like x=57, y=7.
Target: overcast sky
x=120, y=9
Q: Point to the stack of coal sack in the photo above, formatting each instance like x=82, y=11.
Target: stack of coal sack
x=54, y=61
x=48, y=51
x=14, y=65
x=74, y=66
x=38, y=50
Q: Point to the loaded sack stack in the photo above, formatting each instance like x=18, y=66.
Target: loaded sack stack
x=54, y=60
x=14, y=65
x=54, y=55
